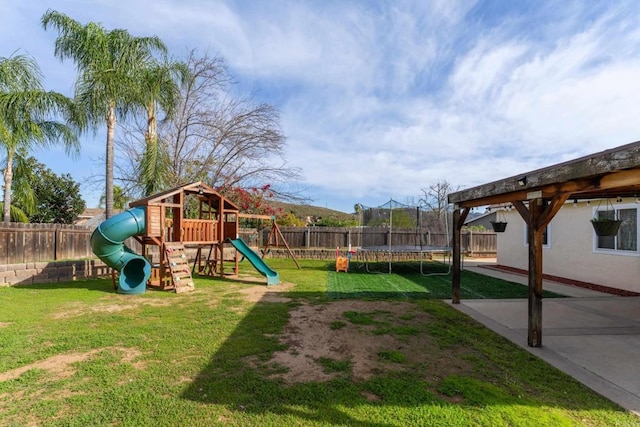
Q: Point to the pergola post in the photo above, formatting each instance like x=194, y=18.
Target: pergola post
x=537, y=217
x=534, y=335
x=458, y=220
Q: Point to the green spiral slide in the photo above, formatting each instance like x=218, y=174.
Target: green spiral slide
x=107, y=242
x=273, y=278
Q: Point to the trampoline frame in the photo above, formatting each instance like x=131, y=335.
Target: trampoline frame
x=421, y=251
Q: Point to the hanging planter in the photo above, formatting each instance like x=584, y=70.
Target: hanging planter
x=606, y=227
x=499, y=226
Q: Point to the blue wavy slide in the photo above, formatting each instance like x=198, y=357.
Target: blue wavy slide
x=107, y=242
x=273, y=278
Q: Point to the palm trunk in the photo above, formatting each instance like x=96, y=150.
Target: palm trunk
x=8, y=178
x=111, y=130
x=150, y=162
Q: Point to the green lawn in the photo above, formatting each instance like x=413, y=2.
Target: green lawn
x=408, y=281
x=78, y=354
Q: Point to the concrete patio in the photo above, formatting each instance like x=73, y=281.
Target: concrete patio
x=592, y=336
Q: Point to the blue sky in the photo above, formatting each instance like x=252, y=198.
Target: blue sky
x=379, y=99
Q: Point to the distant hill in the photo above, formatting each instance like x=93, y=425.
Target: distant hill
x=304, y=211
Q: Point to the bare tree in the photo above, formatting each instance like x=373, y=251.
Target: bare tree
x=435, y=200
x=215, y=137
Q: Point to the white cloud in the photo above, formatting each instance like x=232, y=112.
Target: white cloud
x=380, y=99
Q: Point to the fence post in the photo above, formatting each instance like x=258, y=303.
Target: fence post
x=56, y=243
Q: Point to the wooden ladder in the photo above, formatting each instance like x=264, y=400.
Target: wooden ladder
x=179, y=267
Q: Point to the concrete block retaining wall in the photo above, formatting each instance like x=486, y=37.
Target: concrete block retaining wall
x=51, y=272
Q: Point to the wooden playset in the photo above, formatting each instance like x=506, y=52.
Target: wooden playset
x=193, y=215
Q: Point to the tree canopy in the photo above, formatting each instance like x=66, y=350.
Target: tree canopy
x=28, y=117
x=57, y=197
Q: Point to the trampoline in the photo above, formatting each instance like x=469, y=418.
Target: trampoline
x=394, y=232
x=402, y=254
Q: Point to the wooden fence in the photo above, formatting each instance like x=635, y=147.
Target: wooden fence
x=20, y=243
x=23, y=243
x=473, y=243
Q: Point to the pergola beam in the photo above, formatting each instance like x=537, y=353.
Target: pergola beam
x=608, y=169
x=595, y=187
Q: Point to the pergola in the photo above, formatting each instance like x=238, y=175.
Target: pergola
x=537, y=196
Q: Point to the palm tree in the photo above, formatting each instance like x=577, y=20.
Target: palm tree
x=120, y=198
x=16, y=214
x=27, y=115
x=159, y=90
x=109, y=65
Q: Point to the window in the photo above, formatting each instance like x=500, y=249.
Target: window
x=545, y=236
x=627, y=238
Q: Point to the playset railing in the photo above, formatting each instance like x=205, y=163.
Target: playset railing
x=199, y=230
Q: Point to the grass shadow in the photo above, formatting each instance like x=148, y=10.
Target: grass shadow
x=499, y=381
x=98, y=285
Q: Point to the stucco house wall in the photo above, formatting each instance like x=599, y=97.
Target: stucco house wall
x=571, y=250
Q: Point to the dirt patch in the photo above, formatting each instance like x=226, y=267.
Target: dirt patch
x=59, y=366
x=370, y=396
x=266, y=293
x=109, y=305
x=317, y=333
x=4, y=324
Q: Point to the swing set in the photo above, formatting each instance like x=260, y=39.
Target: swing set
x=275, y=238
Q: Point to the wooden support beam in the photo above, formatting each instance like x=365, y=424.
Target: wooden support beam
x=620, y=179
x=256, y=216
x=522, y=210
x=275, y=235
x=534, y=335
x=613, y=168
x=537, y=217
x=463, y=216
x=221, y=236
x=495, y=199
x=596, y=186
x=551, y=210
x=275, y=232
x=458, y=222
x=177, y=213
